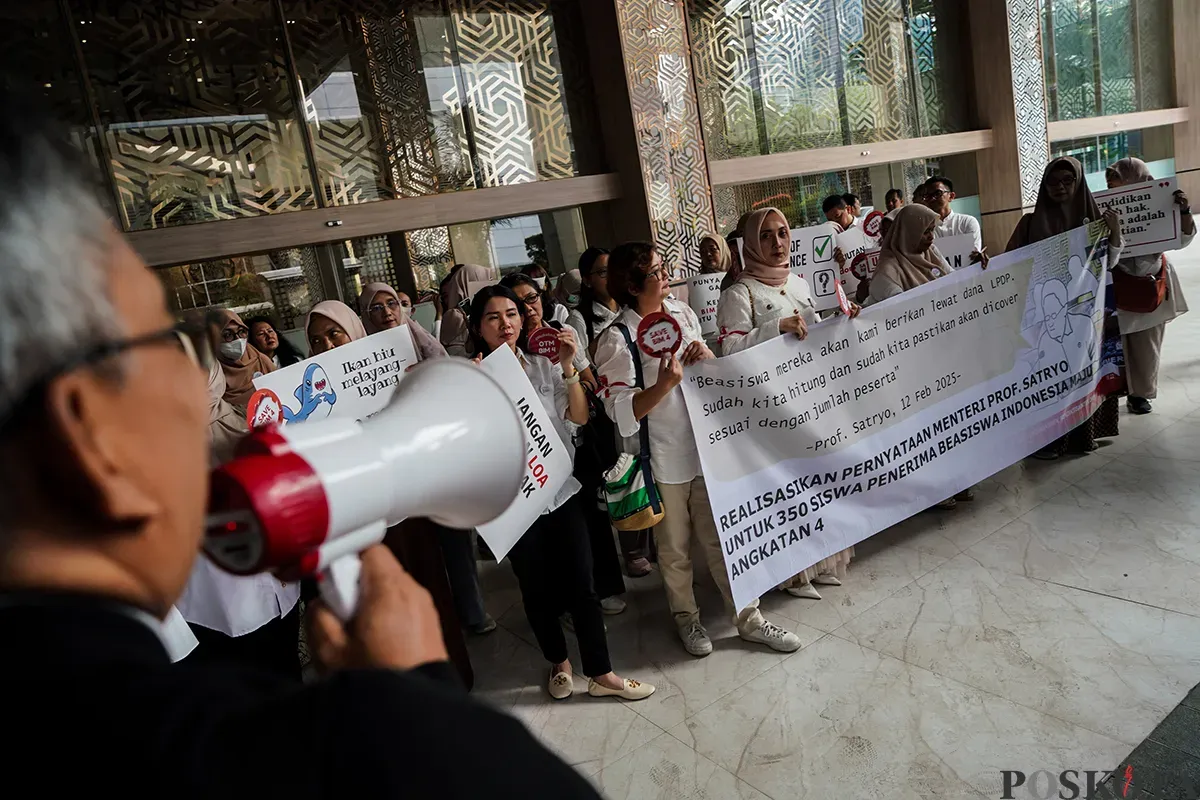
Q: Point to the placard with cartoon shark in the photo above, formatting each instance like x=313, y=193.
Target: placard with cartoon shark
x=354, y=380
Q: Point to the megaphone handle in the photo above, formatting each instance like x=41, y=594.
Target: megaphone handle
x=339, y=586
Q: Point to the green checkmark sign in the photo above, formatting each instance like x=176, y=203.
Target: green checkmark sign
x=821, y=245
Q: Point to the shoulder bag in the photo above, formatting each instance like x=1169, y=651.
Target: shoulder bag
x=1140, y=294
x=633, y=500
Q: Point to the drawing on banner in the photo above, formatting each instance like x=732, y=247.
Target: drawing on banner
x=354, y=380
x=824, y=281
x=810, y=446
x=1149, y=217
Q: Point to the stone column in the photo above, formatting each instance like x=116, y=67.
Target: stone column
x=1010, y=90
x=1186, y=24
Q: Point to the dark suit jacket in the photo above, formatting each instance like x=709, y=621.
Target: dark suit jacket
x=92, y=704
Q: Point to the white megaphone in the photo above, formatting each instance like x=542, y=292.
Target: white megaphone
x=305, y=500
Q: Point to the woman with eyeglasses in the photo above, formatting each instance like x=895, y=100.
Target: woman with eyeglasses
x=383, y=308
x=553, y=559
x=332, y=324
x=265, y=336
x=652, y=396
x=240, y=361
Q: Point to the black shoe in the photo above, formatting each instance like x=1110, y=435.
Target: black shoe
x=1139, y=405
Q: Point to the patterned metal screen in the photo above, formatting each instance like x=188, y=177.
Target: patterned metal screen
x=782, y=75
x=219, y=109
x=1106, y=56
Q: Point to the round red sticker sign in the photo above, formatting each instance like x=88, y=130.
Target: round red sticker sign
x=659, y=334
x=873, y=224
x=263, y=409
x=544, y=342
x=863, y=265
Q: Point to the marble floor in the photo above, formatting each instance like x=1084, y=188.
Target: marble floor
x=1050, y=625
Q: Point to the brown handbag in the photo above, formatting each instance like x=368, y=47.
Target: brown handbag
x=1140, y=294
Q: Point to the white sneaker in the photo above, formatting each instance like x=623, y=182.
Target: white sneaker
x=774, y=637
x=695, y=639
x=612, y=605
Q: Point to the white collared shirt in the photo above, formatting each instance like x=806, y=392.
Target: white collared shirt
x=604, y=317
x=547, y=380
x=749, y=312
x=673, y=454
x=234, y=604
x=956, y=224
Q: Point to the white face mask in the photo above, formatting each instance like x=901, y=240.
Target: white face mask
x=233, y=351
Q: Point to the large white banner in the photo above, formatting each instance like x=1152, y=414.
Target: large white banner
x=352, y=381
x=809, y=447
x=1149, y=216
x=548, y=464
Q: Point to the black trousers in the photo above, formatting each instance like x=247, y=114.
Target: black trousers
x=553, y=565
x=275, y=647
x=606, y=564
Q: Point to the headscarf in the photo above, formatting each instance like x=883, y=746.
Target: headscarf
x=899, y=258
x=427, y=346
x=458, y=289
x=724, y=256
x=340, y=313
x=226, y=426
x=567, y=291
x=239, y=375
x=1131, y=170
x=756, y=263
x=455, y=335
x=1050, y=218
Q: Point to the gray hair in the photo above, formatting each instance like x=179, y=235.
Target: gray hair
x=54, y=246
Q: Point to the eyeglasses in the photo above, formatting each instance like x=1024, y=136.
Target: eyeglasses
x=531, y=298
x=931, y=194
x=1063, y=183
x=378, y=308
x=233, y=334
x=91, y=356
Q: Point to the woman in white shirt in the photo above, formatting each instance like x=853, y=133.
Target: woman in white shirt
x=553, y=560
x=638, y=280
x=1142, y=334
x=769, y=300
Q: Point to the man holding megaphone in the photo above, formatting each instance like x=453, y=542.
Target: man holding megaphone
x=103, y=446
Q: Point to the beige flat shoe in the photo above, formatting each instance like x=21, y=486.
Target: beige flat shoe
x=827, y=579
x=804, y=590
x=632, y=690
x=561, y=685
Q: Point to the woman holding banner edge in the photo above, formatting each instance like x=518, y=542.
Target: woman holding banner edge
x=553, y=559
x=1065, y=202
x=1142, y=331
x=639, y=281
x=766, y=301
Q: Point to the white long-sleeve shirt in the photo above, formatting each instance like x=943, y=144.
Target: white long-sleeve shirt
x=749, y=312
x=235, y=604
x=604, y=317
x=956, y=224
x=674, y=458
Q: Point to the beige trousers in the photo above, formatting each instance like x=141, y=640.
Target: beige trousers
x=688, y=516
x=1142, y=351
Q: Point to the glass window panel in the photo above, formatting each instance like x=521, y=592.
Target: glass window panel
x=196, y=109
x=1155, y=146
x=1106, y=56
x=37, y=57
x=282, y=283
x=781, y=75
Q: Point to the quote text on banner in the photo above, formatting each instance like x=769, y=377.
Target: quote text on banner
x=1149, y=217
x=809, y=447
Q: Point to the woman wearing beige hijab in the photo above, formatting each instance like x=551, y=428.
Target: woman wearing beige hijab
x=456, y=334
x=908, y=257
x=239, y=361
x=1142, y=333
x=381, y=310
x=1065, y=202
x=766, y=301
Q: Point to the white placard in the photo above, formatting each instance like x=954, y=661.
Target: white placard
x=425, y=315
x=548, y=464
x=809, y=447
x=352, y=381
x=704, y=292
x=1149, y=216
x=956, y=249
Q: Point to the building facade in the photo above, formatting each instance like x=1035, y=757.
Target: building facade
x=268, y=154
